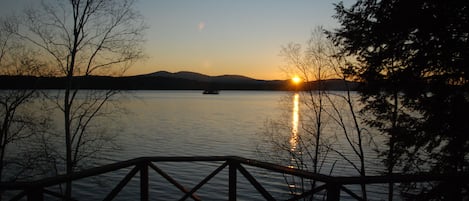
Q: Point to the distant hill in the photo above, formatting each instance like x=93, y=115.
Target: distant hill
x=201, y=77
x=181, y=75
x=163, y=80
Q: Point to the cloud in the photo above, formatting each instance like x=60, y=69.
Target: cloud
x=201, y=26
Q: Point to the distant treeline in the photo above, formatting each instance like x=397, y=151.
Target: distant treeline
x=162, y=83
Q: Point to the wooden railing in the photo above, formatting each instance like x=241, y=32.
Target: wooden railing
x=331, y=186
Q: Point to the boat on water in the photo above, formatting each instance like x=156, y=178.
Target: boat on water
x=211, y=91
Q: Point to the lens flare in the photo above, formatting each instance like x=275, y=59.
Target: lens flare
x=201, y=26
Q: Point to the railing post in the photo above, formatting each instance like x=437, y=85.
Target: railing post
x=144, y=181
x=233, y=167
x=333, y=191
x=35, y=194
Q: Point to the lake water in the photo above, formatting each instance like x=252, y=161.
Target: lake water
x=176, y=123
x=188, y=123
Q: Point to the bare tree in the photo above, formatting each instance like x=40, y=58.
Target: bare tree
x=351, y=127
x=322, y=110
x=81, y=38
x=18, y=123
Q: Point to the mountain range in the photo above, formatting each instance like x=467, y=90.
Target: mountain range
x=164, y=80
x=201, y=77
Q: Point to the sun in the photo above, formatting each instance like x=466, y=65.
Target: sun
x=296, y=79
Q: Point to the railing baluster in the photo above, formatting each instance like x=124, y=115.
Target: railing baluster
x=144, y=187
x=204, y=181
x=232, y=179
x=307, y=193
x=333, y=191
x=355, y=196
x=255, y=183
x=35, y=194
x=121, y=184
x=172, y=181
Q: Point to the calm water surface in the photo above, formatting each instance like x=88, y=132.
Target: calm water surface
x=187, y=123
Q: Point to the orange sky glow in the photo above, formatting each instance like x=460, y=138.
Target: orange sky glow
x=216, y=37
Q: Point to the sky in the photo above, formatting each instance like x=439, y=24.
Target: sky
x=218, y=37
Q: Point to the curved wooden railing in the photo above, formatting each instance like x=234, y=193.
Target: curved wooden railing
x=332, y=185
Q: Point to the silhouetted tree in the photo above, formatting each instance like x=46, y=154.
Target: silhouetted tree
x=413, y=58
x=84, y=38
x=321, y=112
x=19, y=123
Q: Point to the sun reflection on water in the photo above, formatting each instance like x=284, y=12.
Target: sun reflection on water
x=295, y=122
x=294, y=140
